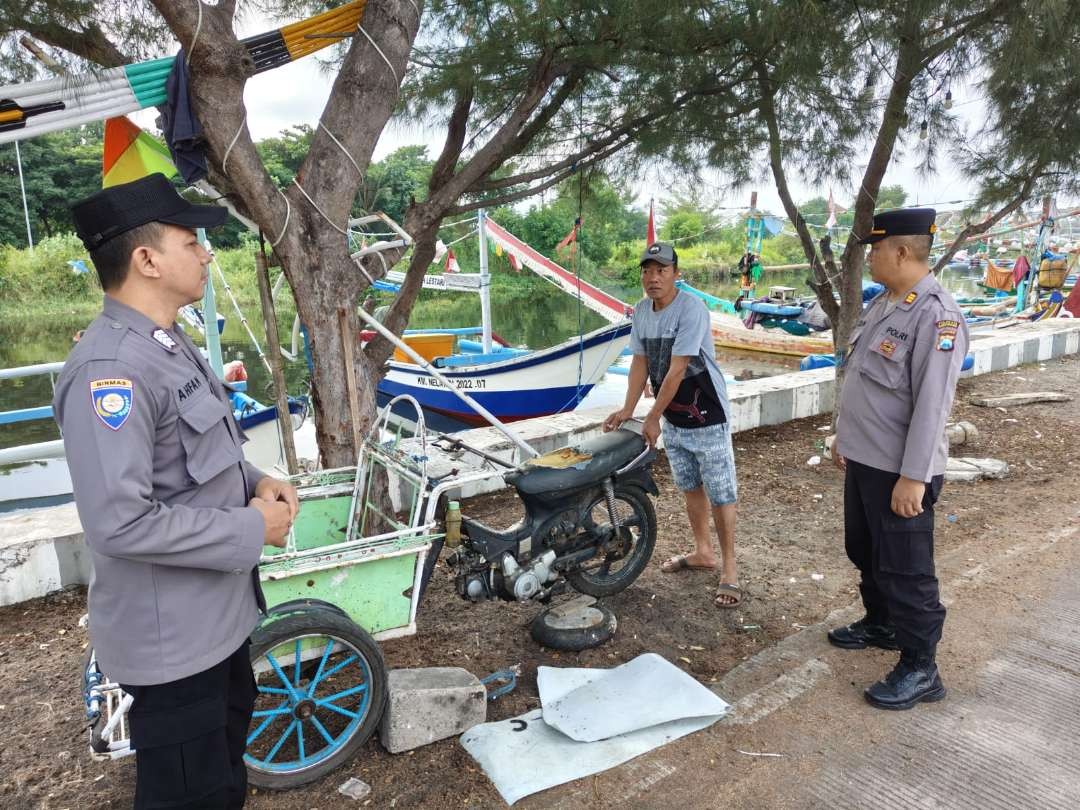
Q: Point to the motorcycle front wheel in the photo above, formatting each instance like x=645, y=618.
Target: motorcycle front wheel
x=627, y=549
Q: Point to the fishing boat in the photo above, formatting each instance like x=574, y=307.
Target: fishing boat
x=511, y=383
x=730, y=332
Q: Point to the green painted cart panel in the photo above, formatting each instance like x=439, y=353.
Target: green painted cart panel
x=375, y=594
x=321, y=522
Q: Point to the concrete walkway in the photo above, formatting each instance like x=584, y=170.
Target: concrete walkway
x=801, y=735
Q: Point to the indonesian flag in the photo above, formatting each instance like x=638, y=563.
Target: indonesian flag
x=570, y=240
x=514, y=262
x=452, y=265
x=650, y=234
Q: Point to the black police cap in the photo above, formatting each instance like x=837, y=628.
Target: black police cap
x=903, y=222
x=118, y=209
x=661, y=254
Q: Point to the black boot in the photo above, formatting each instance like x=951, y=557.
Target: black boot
x=913, y=680
x=862, y=634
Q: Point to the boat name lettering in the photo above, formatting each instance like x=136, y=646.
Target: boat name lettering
x=471, y=383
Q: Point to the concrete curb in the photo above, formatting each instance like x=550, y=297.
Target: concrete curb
x=42, y=551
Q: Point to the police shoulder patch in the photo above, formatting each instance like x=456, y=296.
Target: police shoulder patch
x=113, y=399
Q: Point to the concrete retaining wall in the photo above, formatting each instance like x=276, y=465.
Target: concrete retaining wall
x=42, y=551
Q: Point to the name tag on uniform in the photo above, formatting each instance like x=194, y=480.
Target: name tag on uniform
x=113, y=400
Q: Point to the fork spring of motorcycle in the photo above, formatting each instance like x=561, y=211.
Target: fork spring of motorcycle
x=609, y=496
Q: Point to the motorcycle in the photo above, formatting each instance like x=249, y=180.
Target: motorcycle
x=588, y=523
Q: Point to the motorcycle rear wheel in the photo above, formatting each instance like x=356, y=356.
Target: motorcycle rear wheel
x=637, y=524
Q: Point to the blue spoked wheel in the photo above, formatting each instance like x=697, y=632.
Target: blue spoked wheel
x=321, y=692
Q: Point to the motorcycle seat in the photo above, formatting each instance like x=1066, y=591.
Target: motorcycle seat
x=605, y=454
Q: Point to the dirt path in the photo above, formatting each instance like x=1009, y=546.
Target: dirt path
x=791, y=561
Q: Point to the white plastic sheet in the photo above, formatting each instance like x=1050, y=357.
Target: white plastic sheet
x=617, y=714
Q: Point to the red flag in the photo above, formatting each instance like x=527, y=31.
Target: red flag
x=569, y=240
x=650, y=235
x=452, y=265
x=514, y=262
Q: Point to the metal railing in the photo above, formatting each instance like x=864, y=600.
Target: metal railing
x=41, y=450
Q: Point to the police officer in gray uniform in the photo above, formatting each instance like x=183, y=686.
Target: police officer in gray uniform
x=174, y=518
x=900, y=376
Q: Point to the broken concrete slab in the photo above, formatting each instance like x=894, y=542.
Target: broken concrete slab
x=975, y=469
x=429, y=704
x=1011, y=400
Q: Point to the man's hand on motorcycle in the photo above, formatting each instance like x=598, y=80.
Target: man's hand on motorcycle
x=615, y=420
x=650, y=430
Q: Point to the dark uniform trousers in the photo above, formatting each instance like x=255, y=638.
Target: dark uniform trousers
x=189, y=737
x=895, y=556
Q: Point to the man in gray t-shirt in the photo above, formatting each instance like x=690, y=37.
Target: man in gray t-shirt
x=672, y=344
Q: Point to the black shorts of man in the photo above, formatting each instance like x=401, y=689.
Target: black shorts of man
x=900, y=373
x=174, y=517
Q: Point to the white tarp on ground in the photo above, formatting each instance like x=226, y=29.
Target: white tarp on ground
x=591, y=720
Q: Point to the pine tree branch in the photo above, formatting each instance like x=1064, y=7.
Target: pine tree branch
x=456, y=130
x=90, y=43
x=553, y=180
x=767, y=108
x=624, y=130
x=971, y=230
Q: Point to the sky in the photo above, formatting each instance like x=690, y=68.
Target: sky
x=296, y=93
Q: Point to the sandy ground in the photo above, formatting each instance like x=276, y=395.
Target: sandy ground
x=792, y=564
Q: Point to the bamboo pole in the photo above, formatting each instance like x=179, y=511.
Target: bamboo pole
x=281, y=396
x=347, y=339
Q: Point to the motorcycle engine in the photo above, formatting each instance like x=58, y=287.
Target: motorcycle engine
x=523, y=584
x=477, y=579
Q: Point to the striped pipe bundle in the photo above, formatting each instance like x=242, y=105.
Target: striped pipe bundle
x=34, y=108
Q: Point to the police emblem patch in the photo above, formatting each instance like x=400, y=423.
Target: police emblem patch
x=887, y=347
x=163, y=337
x=112, y=400
x=946, y=336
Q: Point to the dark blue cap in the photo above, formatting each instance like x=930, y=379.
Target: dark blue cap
x=902, y=222
x=118, y=209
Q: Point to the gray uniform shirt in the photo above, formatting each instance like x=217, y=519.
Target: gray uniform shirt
x=900, y=377
x=683, y=329
x=161, y=488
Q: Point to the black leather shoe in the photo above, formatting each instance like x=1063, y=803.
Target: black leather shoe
x=863, y=634
x=915, y=679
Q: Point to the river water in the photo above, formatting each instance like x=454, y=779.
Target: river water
x=524, y=315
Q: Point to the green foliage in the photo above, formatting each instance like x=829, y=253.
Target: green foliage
x=393, y=182
x=58, y=169
x=28, y=278
x=41, y=280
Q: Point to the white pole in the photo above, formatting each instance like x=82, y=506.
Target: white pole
x=485, y=283
x=26, y=211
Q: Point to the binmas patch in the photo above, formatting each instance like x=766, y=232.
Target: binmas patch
x=112, y=400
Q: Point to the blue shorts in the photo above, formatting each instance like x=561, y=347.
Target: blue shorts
x=702, y=457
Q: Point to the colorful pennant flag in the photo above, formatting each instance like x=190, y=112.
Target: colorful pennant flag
x=129, y=153
x=650, y=234
x=514, y=263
